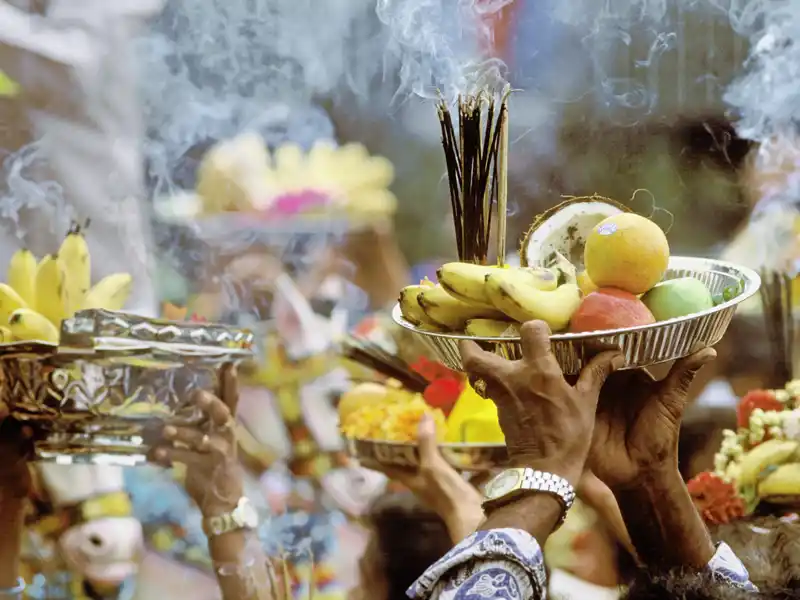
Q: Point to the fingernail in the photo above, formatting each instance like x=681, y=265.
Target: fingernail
x=170, y=432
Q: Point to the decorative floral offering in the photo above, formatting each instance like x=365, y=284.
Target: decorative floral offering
x=760, y=461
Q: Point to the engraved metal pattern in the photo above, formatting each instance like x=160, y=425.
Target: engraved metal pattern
x=100, y=328
x=104, y=399
x=463, y=457
x=642, y=346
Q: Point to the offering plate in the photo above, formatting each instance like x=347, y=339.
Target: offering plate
x=105, y=392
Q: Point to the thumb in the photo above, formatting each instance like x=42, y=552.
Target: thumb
x=595, y=373
x=682, y=374
x=479, y=363
x=426, y=441
x=683, y=371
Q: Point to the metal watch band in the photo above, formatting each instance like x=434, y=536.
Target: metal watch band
x=509, y=483
x=244, y=516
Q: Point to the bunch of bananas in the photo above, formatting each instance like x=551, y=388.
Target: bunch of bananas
x=39, y=295
x=491, y=301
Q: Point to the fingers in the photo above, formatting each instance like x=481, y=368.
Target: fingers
x=595, y=373
x=214, y=408
x=167, y=457
x=229, y=387
x=680, y=377
x=195, y=439
x=535, y=337
x=481, y=364
x=426, y=441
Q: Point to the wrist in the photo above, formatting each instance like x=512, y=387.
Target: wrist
x=570, y=469
x=664, y=524
x=538, y=513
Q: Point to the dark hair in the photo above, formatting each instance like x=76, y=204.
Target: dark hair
x=769, y=548
x=410, y=538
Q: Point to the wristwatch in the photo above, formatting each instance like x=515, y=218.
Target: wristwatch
x=513, y=483
x=244, y=516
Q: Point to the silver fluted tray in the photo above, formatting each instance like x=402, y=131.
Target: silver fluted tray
x=642, y=346
x=235, y=232
x=462, y=457
x=106, y=391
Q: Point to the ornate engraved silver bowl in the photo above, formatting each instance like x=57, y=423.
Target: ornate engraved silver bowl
x=105, y=392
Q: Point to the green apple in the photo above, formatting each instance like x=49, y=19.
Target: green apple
x=678, y=298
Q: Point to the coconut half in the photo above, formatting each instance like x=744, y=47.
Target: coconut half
x=564, y=228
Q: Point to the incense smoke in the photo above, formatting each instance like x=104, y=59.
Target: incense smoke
x=439, y=46
x=213, y=68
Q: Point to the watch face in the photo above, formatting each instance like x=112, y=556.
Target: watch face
x=505, y=482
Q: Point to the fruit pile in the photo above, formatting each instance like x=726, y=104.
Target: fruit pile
x=39, y=295
x=388, y=412
x=759, y=461
x=611, y=280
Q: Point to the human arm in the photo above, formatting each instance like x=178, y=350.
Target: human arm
x=635, y=453
x=440, y=487
x=547, y=424
x=215, y=481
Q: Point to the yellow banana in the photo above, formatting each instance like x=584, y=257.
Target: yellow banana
x=10, y=301
x=525, y=303
x=467, y=281
x=449, y=312
x=409, y=305
x=768, y=454
x=491, y=328
x=22, y=275
x=5, y=335
x=110, y=293
x=27, y=324
x=50, y=300
x=783, y=481
x=74, y=256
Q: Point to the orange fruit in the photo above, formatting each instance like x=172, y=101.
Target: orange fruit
x=628, y=252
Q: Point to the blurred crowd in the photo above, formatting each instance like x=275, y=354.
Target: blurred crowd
x=284, y=220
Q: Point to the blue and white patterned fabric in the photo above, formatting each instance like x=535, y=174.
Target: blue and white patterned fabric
x=507, y=564
x=726, y=566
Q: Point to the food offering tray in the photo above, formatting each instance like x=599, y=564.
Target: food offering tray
x=236, y=232
x=103, y=395
x=642, y=346
x=462, y=457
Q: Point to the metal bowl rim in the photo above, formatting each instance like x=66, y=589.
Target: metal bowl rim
x=752, y=281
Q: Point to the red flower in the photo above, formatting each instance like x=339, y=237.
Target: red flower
x=716, y=501
x=754, y=399
x=195, y=318
x=443, y=394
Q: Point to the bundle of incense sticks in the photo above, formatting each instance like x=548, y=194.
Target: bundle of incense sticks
x=373, y=356
x=477, y=171
x=777, y=300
